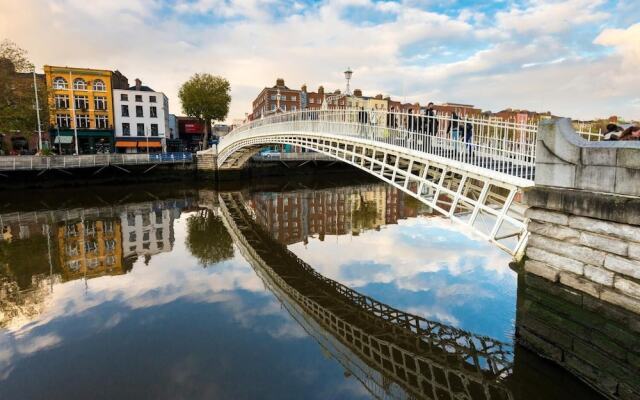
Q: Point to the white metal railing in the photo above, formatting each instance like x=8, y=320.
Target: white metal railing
x=295, y=156
x=504, y=147
x=15, y=163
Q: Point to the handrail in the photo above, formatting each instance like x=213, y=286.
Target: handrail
x=15, y=163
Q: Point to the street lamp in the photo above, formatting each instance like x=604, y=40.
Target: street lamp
x=347, y=75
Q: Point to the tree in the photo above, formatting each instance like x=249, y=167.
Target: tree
x=18, y=56
x=208, y=239
x=206, y=97
x=17, y=99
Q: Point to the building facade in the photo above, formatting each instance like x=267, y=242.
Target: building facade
x=141, y=119
x=81, y=103
x=190, y=133
x=278, y=98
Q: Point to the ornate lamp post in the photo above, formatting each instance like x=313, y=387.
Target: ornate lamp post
x=347, y=75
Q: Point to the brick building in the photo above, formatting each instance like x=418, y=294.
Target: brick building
x=278, y=98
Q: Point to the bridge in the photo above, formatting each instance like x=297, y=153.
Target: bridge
x=472, y=177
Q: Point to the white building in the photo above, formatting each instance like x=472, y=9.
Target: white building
x=141, y=119
x=147, y=231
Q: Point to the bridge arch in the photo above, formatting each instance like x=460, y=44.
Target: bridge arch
x=473, y=182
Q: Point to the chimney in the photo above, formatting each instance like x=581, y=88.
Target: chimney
x=378, y=97
x=357, y=93
x=279, y=82
x=304, y=88
x=138, y=84
x=321, y=90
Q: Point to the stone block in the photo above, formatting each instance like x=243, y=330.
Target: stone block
x=628, y=158
x=568, y=250
x=555, y=260
x=623, y=231
x=580, y=283
x=555, y=231
x=628, y=287
x=621, y=300
x=540, y=345
x=554, y=217
x=541, y=269
x=599, y=275
x=598, y=178
x=557, y=175
x=604, y=243
x=627, y=181
x=624, y=266
x=634, y=251
x=599, y=156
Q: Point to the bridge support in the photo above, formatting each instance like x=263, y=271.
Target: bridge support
x=584, y=234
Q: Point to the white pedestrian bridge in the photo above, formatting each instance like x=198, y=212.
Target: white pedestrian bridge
x=470, y=170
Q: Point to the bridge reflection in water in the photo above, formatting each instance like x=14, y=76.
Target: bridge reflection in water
x=394, y=354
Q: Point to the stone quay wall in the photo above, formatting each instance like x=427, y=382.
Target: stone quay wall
x=593, y=339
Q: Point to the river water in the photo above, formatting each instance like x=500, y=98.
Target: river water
x=287, y=289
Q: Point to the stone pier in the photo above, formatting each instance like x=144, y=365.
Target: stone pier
x=584, y=225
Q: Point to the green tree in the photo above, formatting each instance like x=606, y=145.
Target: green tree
x=206, y=97
x=17, y=98
x=208, y=239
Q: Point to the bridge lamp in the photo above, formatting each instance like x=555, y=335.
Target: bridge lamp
x=347, y=75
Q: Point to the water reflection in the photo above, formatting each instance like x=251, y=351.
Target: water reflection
x=115, y=299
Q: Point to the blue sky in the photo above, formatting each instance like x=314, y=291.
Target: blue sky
x=576, y=58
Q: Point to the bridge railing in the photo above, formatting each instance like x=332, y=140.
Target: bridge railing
x=15, y=163
x=500, y=146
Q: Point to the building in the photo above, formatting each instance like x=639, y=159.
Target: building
x=278, y=98
x=190, y=132
x=147, y=230
x=18, y=118
x=141, y=119
x=80, y=101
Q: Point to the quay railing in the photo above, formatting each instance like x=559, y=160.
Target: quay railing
x=18, y=163
x=500, y=146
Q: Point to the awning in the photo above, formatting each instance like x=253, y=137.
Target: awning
x=149, y=144
x=126, y=144
x=63, y=140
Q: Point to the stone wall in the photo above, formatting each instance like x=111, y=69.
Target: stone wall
x=206, y=161
x=596, y=256
x=593, y=339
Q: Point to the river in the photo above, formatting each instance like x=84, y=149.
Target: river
x=280, y=289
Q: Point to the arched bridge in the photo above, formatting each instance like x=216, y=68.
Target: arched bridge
x=467, y=169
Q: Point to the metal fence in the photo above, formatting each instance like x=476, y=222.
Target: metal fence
x=500, y=146
x=16, y=163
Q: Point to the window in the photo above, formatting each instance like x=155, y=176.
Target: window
x=59, y=83
x=139, y=97
x=82, y=102
x=159, y=234
x=284, y=107
x=140, y=129
x=153, y=112
x=82, y=121
x=124, y=110
x=312, y=100
x=126, y=129
x=152, y=99
x=273, y=107
x=124, y=97
x=62, y=101
x=145, y=236
x=100, y=102
x=79, y=84
x=131, y=217
x=99, y=86
x=293, y=98
x=154, y=129
x=273, y=97
x=139, y=112
x=102, y=122
x=132, y=236
x=293, y=108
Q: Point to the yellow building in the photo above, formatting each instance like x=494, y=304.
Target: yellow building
x=81, y=100
x=90, y=249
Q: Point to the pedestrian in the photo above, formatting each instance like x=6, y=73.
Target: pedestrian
x=468, y=137
x=631, y=133
x=454, y=126
x=612, y=133
x=432, y=121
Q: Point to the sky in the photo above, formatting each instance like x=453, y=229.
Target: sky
x=575, y=58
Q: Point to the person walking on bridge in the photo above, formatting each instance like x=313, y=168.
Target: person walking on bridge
x=432, y=120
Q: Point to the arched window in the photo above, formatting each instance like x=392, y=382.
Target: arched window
x=59, y=83
x=98, y=85
x=79, y=84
